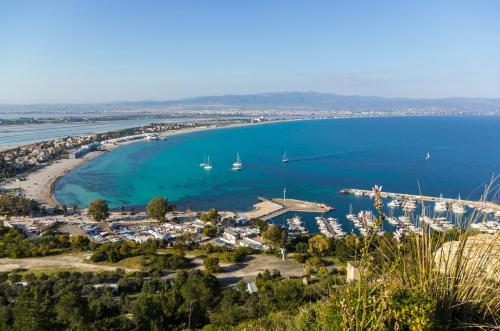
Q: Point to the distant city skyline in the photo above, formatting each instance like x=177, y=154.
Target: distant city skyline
x=105, y=51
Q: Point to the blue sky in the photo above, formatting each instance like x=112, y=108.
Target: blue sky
x=109, y=50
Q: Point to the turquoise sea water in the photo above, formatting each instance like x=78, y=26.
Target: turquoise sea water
x=325, y=156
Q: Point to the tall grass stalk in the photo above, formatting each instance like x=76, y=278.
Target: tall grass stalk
x=462, y=276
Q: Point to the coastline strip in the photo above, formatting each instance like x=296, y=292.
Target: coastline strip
x=39, y=185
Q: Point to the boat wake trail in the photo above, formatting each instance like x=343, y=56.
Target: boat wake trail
x=322, y=156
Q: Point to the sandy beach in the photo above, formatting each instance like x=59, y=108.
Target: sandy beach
x=39, y=185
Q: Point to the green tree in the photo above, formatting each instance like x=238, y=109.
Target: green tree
x=210, y=231
x=276, y=235
x=157, y=208
x=72, y=310
x=98, y=210
x=319, y=245
x=80, y=243
x=258, y=223
x=211, y=216
x=11, y=205
x=32, y=312
x=212, y=264
x=148, y=313
x=301, y=247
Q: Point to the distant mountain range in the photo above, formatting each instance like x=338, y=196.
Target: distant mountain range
x=296, y=100
x=338, y=102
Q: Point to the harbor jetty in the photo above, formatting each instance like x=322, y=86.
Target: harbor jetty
x=267, y=209
x=403, y=196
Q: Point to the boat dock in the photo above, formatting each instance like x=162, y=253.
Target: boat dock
x=403, y=196
x=271, y=208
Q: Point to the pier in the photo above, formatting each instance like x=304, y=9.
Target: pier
x=426, y=198
x=271, y=208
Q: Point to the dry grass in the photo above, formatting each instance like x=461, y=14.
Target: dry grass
x=461, y=276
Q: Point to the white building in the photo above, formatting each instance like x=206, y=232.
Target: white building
x=230, y=236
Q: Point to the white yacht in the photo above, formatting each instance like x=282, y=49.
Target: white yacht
x=153, y=137
x=427, y=156
x=237, y=165
x=330, y=227
x=395, y=203
x=486, y=210
x=208, y=165
x=404, y=220
x=458, y=207
x=296, y=225
x=392, y=220
x=409, y=205
x=440, y=206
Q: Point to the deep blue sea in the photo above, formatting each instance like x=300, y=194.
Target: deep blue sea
x=325, y=156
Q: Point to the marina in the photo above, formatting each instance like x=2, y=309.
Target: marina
x=409, y=200
x=330, y=227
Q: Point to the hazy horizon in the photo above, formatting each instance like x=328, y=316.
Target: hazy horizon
x=125, y=101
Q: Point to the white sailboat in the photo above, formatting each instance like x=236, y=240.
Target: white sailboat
x=458, y=207
x=237, y=165
x=204, y=163
x=440, y=206
x=284, y=159
x=207, y=165
x=427, y=156
x=350, y=216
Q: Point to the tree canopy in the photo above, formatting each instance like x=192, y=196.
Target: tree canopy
x=276, y=236
x=211, y=216
x=98, y=210
x=157, y=208
x=319, y=245
x=11, y=205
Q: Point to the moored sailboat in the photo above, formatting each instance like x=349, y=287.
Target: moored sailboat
x=237, y=165
x=458, y=207
x=204, y=163
x=208, y=165
x=284, y=159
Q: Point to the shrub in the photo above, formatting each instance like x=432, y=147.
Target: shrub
x=212, y=264
x=299, y=257
x=210, y=231
x=233, y=257
x=165, y=261
x=314, y=261
x=412, y=309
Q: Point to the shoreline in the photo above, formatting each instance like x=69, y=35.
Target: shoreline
x=39, y=185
